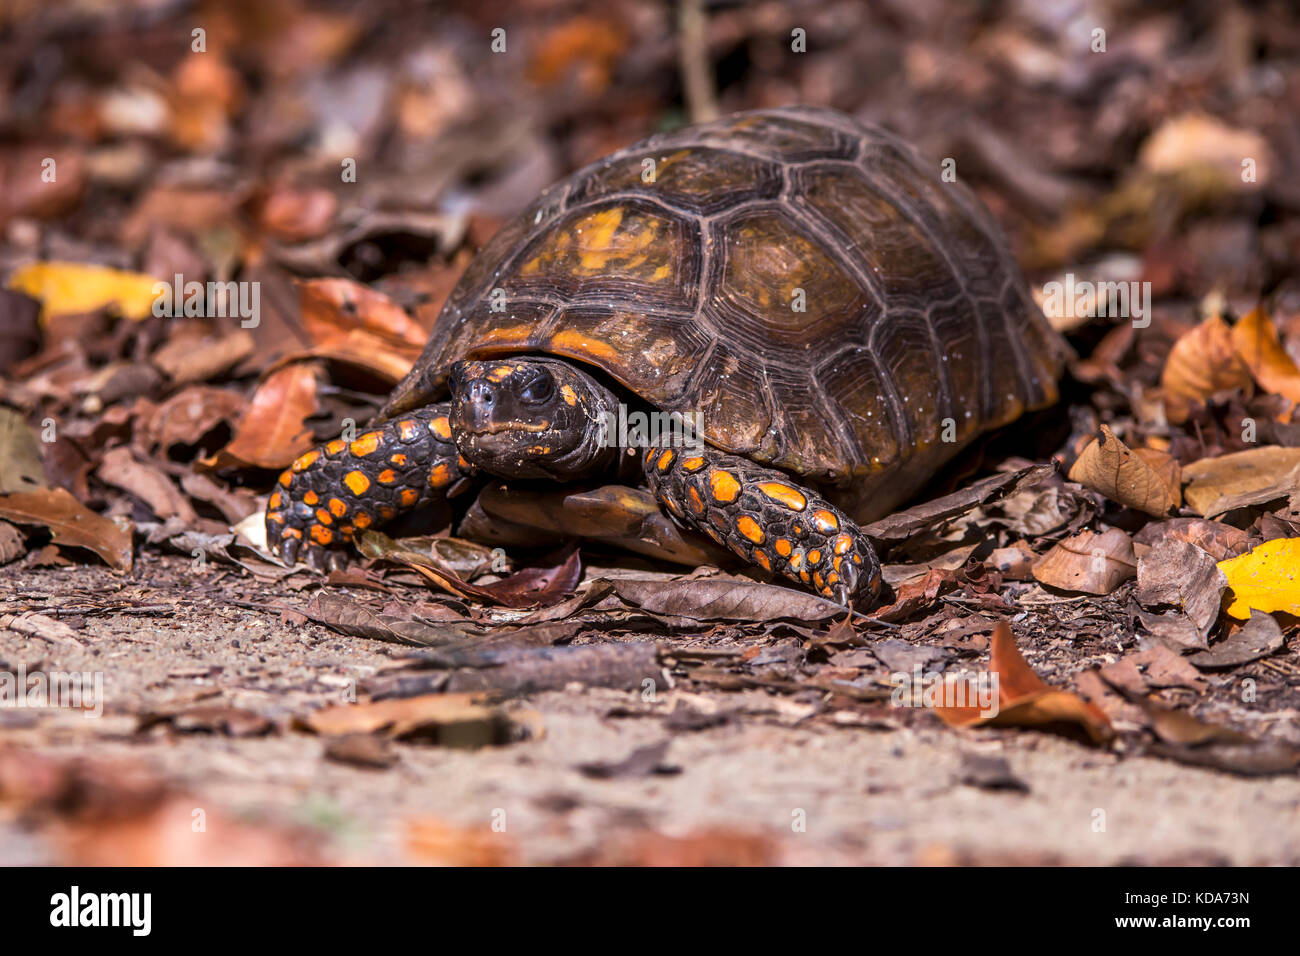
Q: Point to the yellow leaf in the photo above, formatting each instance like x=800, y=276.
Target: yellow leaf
x=1265, y=579
x=67, y=288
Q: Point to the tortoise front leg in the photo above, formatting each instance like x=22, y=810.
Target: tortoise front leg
x=768, y=520
x=332, y=491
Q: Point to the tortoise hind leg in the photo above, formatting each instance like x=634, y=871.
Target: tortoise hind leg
x=768, y=520
x=329, y=493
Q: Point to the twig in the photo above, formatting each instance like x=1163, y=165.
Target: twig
x=697, y=74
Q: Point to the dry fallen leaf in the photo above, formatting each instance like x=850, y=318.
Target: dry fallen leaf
x=273, y=431
x=1089, y=562
x=1254, y=476
x=1024, y=700
x=1202, y=363
x=1182, y=576
x=1265, y=579
x=452, y=720
x=1146, y=479
x=71, y=523
x=1256, y=340
x=67, y=288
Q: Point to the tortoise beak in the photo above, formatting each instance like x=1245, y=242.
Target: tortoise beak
x=477, y=407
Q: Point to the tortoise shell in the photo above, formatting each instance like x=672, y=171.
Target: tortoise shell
x=806, y=284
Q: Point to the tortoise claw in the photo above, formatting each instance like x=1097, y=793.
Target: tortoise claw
x=289, y=551
x=318, y=559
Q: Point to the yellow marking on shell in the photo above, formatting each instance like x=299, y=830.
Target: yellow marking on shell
x=310, y=497
x=357, y=482
x=814, y=556
x=842, y=543
x=441, y=428
x=398, y=459
x=750, y=529
x=576, y=345
x=693, y=498
x=409, y=497
x=274, y=502
x=335, y=447
x=762, y=561
x=367, y=444
x=337, y=508
x=285, y=478
x=440, y=476
x=275, y=516
x=692, y=464
x=321, y=534
x=724, y=486
x=817, y=580
x=825, y=522
x=305, y=461
x=361, y=520
x=408, y=429
x=662, y=273
x=666, y=460
x=783, y=547
x=324, y=517
x=832, y=579
x=387, y=476
x=792, y=498
x=803, y=576
x=570, y=396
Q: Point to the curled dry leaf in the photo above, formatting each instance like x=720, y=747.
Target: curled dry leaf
x=1221, y=541
x=1024, y=700
x=1251, y=477
x=724, y=599
x=1182, y=576
x=1265, y=579
x=1144, y=479
x=1089, y=562
x=21, y=468
x=331, y=308
x=68, y=288
x=120, y=469
x=71, y=523
x=1258, y=637
x=273, y=431
x=1257, y=342
x=1202, y=362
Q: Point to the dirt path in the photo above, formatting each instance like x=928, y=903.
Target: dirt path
x=769, y=780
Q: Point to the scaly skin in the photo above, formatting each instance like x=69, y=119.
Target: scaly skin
x=329, y=493
x=771, y=522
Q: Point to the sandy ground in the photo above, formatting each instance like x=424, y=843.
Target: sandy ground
x=770, y=785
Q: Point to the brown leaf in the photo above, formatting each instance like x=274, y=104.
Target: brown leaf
x=724, y=600
x=1157, y=666
x=1254, y=476
x=71, y=523
x=916, y=595
x=1257, y=342
x=1146, y=480
x=187, y=359
x=1202, y=363
x=273, y=431
x=1182, y=576
x=1024, y=700
x=904, y=524
x=1258, y=637
x=1220, y=541
x=332, y=308
x=1088, y=562
x=120, y=469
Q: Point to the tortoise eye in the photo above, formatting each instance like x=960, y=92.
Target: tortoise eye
x=538, y=391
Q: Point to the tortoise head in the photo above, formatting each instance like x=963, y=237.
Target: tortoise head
x=530, y=418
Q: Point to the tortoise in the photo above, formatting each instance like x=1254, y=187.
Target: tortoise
x=836, y=321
